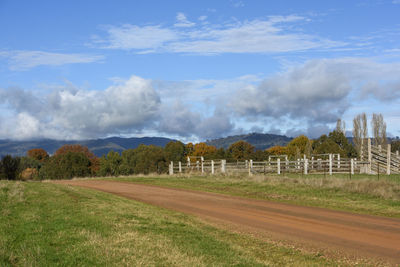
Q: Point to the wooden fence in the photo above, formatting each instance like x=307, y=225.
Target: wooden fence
x=373, y=160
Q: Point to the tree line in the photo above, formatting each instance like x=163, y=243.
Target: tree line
x=78, y=161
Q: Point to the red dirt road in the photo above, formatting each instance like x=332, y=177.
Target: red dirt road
x=349, y=234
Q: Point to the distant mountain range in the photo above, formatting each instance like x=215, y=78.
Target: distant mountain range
x=258, y=140
x=98, y=146
x=102, y=146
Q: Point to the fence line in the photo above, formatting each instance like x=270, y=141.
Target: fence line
x=373, y=160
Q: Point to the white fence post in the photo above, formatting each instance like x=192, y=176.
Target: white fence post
x=188, y=162
x=212, y=167
x=312, y=162
x=202, y=165
x=338, y=163
x=171, y=168
x=278, y=165
x=305, y=166
x=330, y=164
x=352, y=166
x=369, y=157
x=388, y=159
x=180, y=166
x=286, y=163
x=223, y=162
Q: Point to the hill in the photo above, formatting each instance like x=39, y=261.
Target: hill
x=259, y=140
x=98, y=146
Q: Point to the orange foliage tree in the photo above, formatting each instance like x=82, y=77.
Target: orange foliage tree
x=277, y=150
x=38, y=153
x=95, y=163
x=241, y=150
x=202, y=149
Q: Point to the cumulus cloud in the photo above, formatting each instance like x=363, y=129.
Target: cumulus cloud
x=272, y=35
x=75, y=114
x=179, y=119
x=24, y=60
x=319, y=91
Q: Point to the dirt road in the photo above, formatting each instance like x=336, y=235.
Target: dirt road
x=349, y=234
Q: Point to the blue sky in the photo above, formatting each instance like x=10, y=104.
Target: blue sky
x=195, y=70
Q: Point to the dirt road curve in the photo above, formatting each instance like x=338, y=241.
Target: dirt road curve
x=352, y=234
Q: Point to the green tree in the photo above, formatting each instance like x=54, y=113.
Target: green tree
x=128, y=162
x=395, y=146
x=340, y=139
x=110, y=165
x=175, y=151
x=66, y=166
x=94, y=161
x=149, y=159
x=241, y=150
x=9, y=167
x=325, y=145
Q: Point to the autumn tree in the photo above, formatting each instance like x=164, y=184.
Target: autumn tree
x=360, y=131
x=95, y=164
x=299, y=146
x=378, y=129
x=38, y=153
x=189, y=148
x=277, y=150
x=241, y=150
x=203, y=150
x=341, y=126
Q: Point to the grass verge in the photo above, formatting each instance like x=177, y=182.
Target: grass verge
x=43, y=224
x=363, y=194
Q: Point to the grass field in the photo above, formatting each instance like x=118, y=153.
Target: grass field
x=43, y=224
x=362, y=194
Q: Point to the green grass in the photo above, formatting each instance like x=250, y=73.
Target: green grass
x=43, y=224
x=362, y=194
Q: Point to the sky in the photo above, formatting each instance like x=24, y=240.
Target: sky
x=196, y=70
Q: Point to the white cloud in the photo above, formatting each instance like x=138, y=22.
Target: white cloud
x=135, y=37
x=126, y=107
x=178, y=119
x=202, y=18
x=273, y=35
x=23, y=60
x=182, y=21
x=319, y=91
